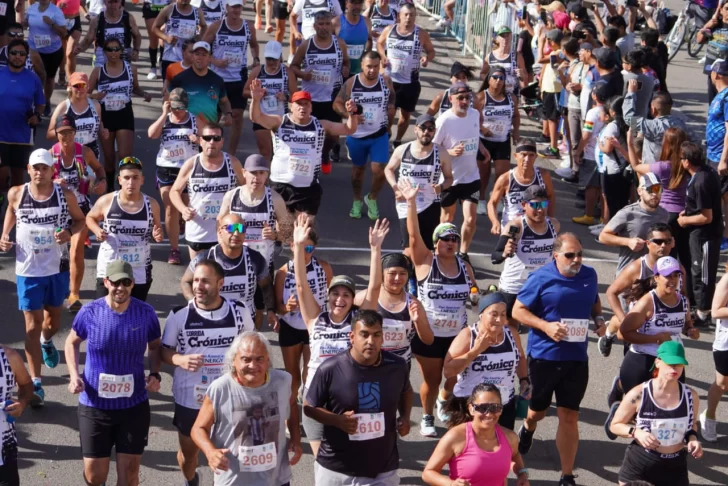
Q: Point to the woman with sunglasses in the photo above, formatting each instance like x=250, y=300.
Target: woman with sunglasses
x=478, y=452
x=659, y=316
x=116, y=81
x=441, y=102
x=486, y=352
x=125, y=222
x=177, y=129
x=501, y=120
x=402, y=314
x=293, y=337
x=86, y=115
x=46, y=26
x=445, y=281
x=659, y=416
x=329, y=330
x=75, y=166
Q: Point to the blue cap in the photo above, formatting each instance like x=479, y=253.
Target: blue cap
x=720, y=67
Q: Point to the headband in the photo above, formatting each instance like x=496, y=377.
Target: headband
x=526, y=148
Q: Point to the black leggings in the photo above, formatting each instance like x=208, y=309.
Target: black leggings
x=51, y=62
x=9, y=471
x=615, y=188
x=681, y=251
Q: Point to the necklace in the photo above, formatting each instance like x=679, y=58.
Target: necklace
x=389, y=304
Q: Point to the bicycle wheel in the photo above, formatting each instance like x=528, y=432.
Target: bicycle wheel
x=694, y=47
x=675, y=38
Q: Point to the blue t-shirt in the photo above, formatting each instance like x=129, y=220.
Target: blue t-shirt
x=20, y=92
x=41, y=36
x=115, y=345
x=551, y=296
x=715, y=128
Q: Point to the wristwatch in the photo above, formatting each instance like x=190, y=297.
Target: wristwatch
x=157, y=376
x=631, y=431
x=523, y=471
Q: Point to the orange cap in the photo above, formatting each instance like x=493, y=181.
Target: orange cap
x=78, y=77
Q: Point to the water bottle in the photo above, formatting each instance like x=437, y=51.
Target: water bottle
x=474, y=296
x=9, y=418
x=64, y=248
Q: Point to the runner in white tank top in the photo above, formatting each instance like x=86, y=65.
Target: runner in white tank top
x=207, y=178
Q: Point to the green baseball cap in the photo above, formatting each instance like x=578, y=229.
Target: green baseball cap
x=119, y=269
x=672, y=353
x=444, y=229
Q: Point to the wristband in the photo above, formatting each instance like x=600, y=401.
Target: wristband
x=157, y=376
x=523, y=471
x=689, y=434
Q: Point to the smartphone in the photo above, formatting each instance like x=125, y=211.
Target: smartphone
x=631, y=3
x=512, y=231
x=523, y=13
x=639, y=85
x=554, y=61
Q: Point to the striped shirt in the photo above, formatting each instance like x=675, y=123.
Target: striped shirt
x=115, y=345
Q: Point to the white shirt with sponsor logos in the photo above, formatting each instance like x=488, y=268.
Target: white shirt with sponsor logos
x=452, y=131
x=327, y=339
x=191, y=330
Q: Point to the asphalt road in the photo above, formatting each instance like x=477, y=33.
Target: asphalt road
x=48, y=438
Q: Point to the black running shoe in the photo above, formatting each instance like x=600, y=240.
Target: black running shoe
x=525, y=440
x=567, y=480
x=608, y=422
x=615, y=394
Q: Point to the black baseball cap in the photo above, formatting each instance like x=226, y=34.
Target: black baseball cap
x=65, y=122
x=424, y=118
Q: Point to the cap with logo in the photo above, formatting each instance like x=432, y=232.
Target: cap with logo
x=65, y=122
x=666, y=266
x=343, y=281
x=233, y=3
x=119, y=269
x=586, y=46
x=41, y=157
x=202, y=44
x=273, y=49
x=178, y=99
x=503, y=30
x=424, y=118
x=444, y=229
x=648, y=180
x=300, y=95
x=256, y=162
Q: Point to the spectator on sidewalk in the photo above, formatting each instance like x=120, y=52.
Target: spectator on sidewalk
x=715, y=134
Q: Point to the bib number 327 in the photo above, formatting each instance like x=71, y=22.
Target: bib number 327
x=258, y=458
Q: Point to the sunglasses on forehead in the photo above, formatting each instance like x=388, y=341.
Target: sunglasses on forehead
x=130, y=161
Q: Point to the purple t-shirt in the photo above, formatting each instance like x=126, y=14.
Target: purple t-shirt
x=115, y=345
x=673, y=200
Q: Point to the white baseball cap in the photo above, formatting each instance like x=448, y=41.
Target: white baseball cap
x=234, y=2
x=273, y=50
x=201, y=45
x=41, y=157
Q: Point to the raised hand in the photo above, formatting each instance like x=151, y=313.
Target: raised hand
x=378, y=232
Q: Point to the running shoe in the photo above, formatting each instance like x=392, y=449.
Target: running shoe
x=585, y=220
x=708, y=428
x=372, y=208
x=258, y=22
x=50, y=354
x=567, y=480
x=443, y=24
x=597, y=231
x=38, y=398
x=492, y=288
x=152, y=74
x=544, y=138
x=615, y=394
x=724, y=245
x=605, y=345
x=482, y=207
x=564, y=172
x=525, y=440
x=74, y=303
x=549, y=153
x=87, y=242
x=574, y=179
x=396, y=143
x=608, y=423
x=326, y=166
x=334, y=154
x=174, y=257
x=599, y=224
x=565, y=164
x=440, y=406
x=427, y=426
x=356, y=209
x=703, y=322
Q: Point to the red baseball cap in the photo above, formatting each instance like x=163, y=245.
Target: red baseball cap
x=300, y=95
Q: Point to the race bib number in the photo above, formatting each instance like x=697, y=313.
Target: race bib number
x=199, y=392
x=175, y=153
x=677, y=338
x=42, y=238
x=133, y=255
x=527, y=269
x=3, y=9
x=41, y=41
x=233, y=58
x=576, y=330
x=370, y=426
x=210, y=208
x=321, y=76
x=497, y=128
x=398, y=62
x=186, y=31
x=116, y=386
x=669, y=432
x=82, y=137
x=114, y=101
x=270, y=104
x=721, y=334
x=259, y=246
x=372, y=115
x=355, y=51
x=445, y=322
x=300, y=166
x=395, y=336
x=470, y=146
x=69, y=22
x=258, y=458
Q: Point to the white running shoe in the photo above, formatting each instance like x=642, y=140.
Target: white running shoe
x=566, y=163
x=152, y=74
x=598, y=230
x=564, y=172
x=482, y=208
x=443, y=24
x=427, y=426
x=440, y=406
x=708, y=428
x=598, y=225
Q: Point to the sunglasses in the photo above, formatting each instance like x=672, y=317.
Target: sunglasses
x=79, y=86
x=661, y=241
x=464, y=97
x=449, y=239
x=112, y=49
x=125, y=282
x=130, y=161
x=538, y=204
x=309, y=248
x=15, y=34
x=488, y=407
x=571, y=255
x=232, y=228
x=210, y=138
x=498, y=78
x=427, y=128
x=18, y=53
x=653, y=189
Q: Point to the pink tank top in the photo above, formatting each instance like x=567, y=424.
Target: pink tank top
x=479, y=467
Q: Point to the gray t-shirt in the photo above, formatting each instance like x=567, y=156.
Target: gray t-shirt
x=632, y=221
x=643, y=97
x=250, y=422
